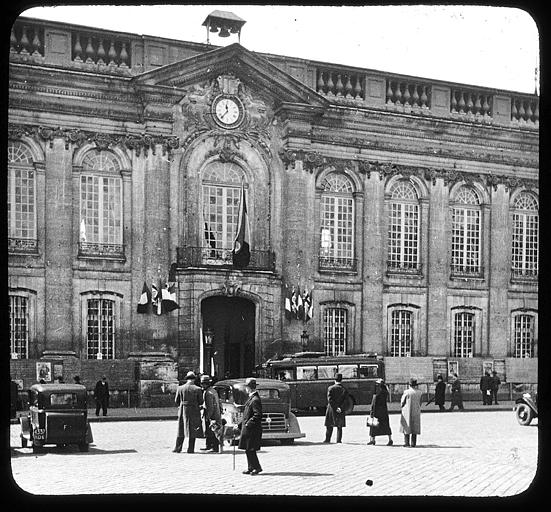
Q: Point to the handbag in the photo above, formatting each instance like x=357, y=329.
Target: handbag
x=372, y=421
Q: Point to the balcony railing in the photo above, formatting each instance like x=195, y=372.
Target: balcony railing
x=401, y=268
x=334, y=264
x=209, y=257
x=467, y=271
x=100, y=250
x=22, y=246
x=524, y=274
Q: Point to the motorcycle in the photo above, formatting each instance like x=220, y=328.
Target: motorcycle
x=526, y=409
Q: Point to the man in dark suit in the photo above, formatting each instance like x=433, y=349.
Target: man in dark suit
x=101, y=394
x=189, y=398
x=495, y=383
x=335, y=414
x=485, y=388
x=251, y=428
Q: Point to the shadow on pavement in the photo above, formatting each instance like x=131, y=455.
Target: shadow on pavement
x=67, y=450
x=294, y=473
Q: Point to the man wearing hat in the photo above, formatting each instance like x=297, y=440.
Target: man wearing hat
x=101, y=394
x=189, y=399
x=410, y=419
x=251, y=428
x=335, y=414
x=212, y=413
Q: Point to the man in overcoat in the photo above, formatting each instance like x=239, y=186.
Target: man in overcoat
x=101, y=394
x=495, y=383
x=457, y=395
x=189, y=399
x=251, y=428
x=440, y=393
x=335, y=415
x=485, y=388
x=410, y=419
x=212, y=413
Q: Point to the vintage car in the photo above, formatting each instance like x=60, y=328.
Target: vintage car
x=57, y=415
x=526, y=408
x=278, y=422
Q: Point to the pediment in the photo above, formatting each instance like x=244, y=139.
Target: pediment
x=253, y=71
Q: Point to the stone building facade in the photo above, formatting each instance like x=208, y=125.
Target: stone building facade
x=406, y=208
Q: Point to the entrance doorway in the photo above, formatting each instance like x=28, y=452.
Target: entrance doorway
x=228, y=336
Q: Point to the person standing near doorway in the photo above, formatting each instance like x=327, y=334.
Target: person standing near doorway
x=212, y=413
x=251, y=428
x=101, y=394
x=410, y=419
x=189, y=398
x=335, y=415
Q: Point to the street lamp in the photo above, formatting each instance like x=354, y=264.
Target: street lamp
x=304, y=337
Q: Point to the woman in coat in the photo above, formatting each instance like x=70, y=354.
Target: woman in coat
x=440, y=393
x=379, y=410
x=410, y=419
x=189, y=399
x=251, y=428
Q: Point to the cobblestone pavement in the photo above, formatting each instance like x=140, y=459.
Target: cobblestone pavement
x=458, y=454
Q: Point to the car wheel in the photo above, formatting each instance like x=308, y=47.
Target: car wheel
x=524, y=414
x=287, y=441
x=83, y=447
x=23, y=442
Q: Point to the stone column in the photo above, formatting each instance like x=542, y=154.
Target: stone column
x=58, y=248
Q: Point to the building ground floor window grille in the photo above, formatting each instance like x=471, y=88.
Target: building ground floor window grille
x=100, y=329
x=524, y=336
x=19, y=326
x=401, y=336
x=335, y=327
x=463, y=335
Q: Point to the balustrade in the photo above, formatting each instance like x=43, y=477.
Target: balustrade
x=340, y=84
x=27, y=40
x=329, y=263
x=107, y=51
x=471, y=103
x=217, y=257
x=100, y=250
x=408, y=95
x=22, y=246
x=525, y=110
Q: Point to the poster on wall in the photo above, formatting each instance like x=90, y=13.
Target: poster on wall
x=487, y=366
x=58, y=370
x=44, y=371
x=453, y=367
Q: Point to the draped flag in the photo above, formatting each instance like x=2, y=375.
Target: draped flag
x=300, y=306
x=241, y=249
x=82, y=230
x=145, y=299
x=168, y=298
x=156, y=298
x=288, y=312
x=308, y=307
x=294, y=303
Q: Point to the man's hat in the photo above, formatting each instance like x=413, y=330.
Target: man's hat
x=413, y=382
x=338, y=377
x=205, y=378
x=190, y=375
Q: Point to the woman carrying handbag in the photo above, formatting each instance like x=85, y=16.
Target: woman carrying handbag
x=378, y=421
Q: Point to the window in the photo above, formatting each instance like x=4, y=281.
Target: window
x=21, y=199
x=327, y=372
x=466, y=234
x=337, y=224
x=100, y=328
x=335, y=327
x=307, y=373
x=463, y=334
x=348, y=371
x=401, y=333
x=368, y=371
x=403, y=229
x=271, y=394
x=19, y=326
x=101, y=205
x=221, y=192
x=524, y=330
x=63, y=399
x=525, y=224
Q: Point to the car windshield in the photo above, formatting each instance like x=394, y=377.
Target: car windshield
x=63, y=399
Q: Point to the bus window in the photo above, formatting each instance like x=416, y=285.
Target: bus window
x=368, y=371
x=349, y=371
x=306, y=373
x=285, y=374
x=327, y=372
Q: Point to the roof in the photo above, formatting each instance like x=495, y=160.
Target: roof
x=226, y=15
x=58, y=387
x=260, y=383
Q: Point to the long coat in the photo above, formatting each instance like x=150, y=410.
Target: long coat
x=213, y=409
x=101, y=393
x=336, y=397
x=410, y=419
x=457, y=396
x=189, y=399
x=440, y=393
x=379, y=410
x=251, y=425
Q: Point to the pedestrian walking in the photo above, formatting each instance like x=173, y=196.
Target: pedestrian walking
x=379, y=410
x=410, y=416
x=251, y=428
x=485, y=388
x=101, y=394
x=335, y=415
x=495, y=383
x=189, y=398
x=457, y=396
x=212, y=414
x=440, y=393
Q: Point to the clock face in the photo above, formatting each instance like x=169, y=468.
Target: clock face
x=228, y=112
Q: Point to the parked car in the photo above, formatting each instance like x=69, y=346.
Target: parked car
x=57, y=415
x=278, y=422
x=526, y=408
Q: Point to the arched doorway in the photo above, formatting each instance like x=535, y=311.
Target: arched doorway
x=229, y=322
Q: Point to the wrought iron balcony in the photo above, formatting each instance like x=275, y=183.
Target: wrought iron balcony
x=520, y=274
x=404, y=268
x=334, y=264
x=22, y=246
x=214, y=257
x=100, y=250
x=467, y=271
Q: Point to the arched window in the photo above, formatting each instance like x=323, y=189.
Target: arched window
x=335, y=330
x=403, y=227
x=337, y=223
x=101, y=205
x=466, y=233
x=525, y=236
x=221, y=187
x=21, y=199
x=524, y=334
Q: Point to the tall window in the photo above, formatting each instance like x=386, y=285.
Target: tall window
x=335, y=329
x=401, y=334
x=100, y=328
x=221, y=191
x=524, y=330
x=403, y=229
x=525, y=236
x=337, y=223
x=463, y=334
x=466, y=235
x=101, y=205
x=19, y=326
x=21, y=199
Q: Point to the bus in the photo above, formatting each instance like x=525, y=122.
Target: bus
x=309, y=374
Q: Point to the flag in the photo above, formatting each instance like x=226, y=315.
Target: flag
x=145, y=299
x=168, y=298
x=300, y=306
x=241, y=252
x=82, y=230
x=156, y=298
x=308, y=308
x=294, y=303
x=288, y=312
